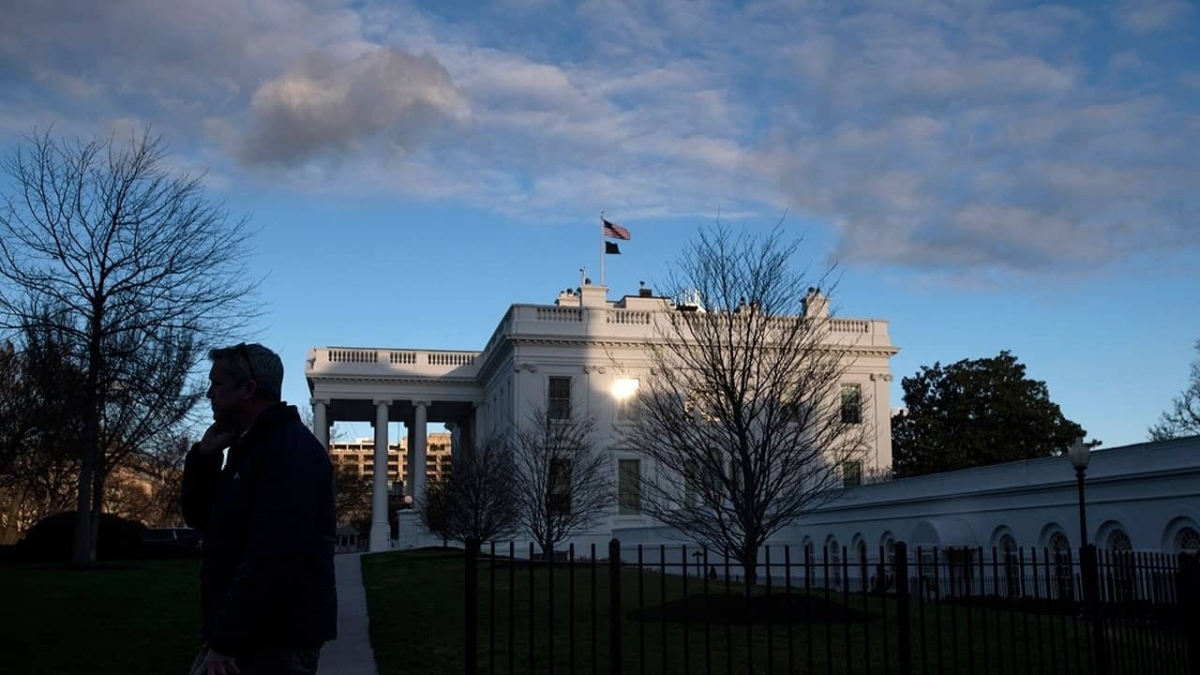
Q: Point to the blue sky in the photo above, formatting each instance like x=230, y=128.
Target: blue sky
x=986, y=175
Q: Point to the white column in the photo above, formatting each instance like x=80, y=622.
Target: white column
x=478, y=425
x=320, y=421
x=411, y=470
x=380, y=530
x=418, y=454
x=455, y=430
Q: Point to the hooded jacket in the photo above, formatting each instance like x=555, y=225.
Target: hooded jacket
x=267, y=576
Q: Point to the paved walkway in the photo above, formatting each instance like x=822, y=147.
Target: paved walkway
x=350, y=653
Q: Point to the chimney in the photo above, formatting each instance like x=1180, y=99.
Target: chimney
x=593, y=296
x=815, y=305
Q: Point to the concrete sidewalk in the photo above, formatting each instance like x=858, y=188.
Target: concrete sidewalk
x=350, y=653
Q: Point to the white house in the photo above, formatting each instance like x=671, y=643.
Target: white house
x=576, y=352
x=583, y=349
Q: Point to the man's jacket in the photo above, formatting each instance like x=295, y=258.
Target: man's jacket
x=268, y=519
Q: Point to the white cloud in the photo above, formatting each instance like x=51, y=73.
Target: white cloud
x=937, y=134
x=1149, y=16
x=322, y=105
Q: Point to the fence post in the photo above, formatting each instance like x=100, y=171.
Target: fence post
x=470, y=659
x=614, y=607
x=903, y=611
x=1093, y=610
x=1186, y=600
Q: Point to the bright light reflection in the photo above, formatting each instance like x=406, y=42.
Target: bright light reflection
x=624, y=388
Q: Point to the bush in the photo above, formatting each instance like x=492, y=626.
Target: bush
x=8, y=553
x=52, y=539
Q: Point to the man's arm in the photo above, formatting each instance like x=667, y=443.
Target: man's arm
x=202, y=474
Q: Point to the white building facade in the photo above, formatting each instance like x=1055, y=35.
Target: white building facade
x=575, y=352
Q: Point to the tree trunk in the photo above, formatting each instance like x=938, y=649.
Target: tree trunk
x=12, y=527
x=749, y=563
x=98, y=477
x=81, y=554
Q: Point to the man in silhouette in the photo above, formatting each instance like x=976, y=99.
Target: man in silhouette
x=266, y=508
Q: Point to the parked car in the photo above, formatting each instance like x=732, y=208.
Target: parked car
x=171, y=542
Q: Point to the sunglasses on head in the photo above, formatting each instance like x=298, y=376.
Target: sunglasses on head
x=241, y=349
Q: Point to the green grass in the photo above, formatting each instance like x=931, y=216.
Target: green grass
x=123, y=617
x=416, y=608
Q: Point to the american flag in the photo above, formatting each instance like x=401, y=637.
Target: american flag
x=615, y=231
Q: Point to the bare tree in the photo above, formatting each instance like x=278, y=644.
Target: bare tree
x=140, y=266
x=1183, y=417
x=478, y=499
x=353, y=496
x=563, y=484
x=742, y=415
x=39, y=421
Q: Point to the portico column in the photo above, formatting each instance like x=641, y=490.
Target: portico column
x=418, y=455
x=320, y=423
x=380, y=530
x=455, y=439
x=410, y=470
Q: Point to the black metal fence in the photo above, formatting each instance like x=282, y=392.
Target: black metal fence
x=677, y=609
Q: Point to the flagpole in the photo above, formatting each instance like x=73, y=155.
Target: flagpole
x=601, y=248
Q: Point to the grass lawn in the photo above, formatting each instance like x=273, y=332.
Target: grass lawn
x=415, y=601
x=121, y=617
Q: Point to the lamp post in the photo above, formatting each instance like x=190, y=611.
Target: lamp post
x=1080, y=453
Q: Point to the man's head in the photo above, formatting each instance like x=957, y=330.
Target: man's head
x=244, y=380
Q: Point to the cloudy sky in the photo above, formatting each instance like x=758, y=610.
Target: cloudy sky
x=987, y=175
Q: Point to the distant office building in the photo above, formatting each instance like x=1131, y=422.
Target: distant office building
x=360, y=454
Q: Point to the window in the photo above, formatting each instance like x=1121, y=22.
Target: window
x=1064, y=577
x=834, y=563
x=629, y=487
x=1012, y=566
x=1121, y=567
x=851, y=403
x=1187, y=540
x=560, y=487
x=851, y=473
x=558, y=403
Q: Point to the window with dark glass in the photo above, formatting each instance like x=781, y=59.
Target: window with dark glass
x=851, y=404
x=560, y=486
x=629, y=487
x=851, y=473
x=558, y=404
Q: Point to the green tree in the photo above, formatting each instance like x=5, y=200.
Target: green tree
x=976, y=412
x=1183, y=417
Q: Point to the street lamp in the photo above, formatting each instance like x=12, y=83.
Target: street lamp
x=1080, y=453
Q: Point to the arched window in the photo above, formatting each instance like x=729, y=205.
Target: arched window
x=1121, y=576
x=810, y=562
x=1187, y=540
x=835, y=562
x=1119, y=542
x=1060, y=552
x=1012, y=570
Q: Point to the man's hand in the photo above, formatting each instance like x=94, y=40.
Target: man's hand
x=217, y=664
x=216, y=438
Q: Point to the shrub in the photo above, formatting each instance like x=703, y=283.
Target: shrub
x=51, y=539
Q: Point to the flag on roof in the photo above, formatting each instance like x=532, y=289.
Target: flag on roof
x=614, y=230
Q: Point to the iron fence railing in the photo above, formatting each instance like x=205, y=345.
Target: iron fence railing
x=678, y=609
